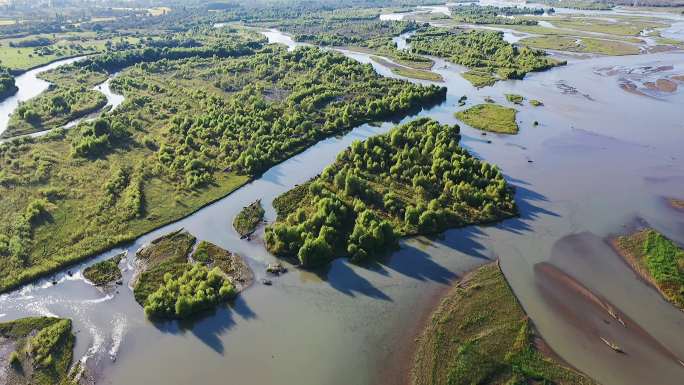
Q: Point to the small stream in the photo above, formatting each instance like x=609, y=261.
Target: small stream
x=601, y=160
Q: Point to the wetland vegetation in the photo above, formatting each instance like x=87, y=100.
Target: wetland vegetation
x=490, y=117
x=42, y=351
x=249, y=218
x=480, y=334
x=7, y=84
x=486, y=53
x=416, y=179
x=104, y=272
x=196, y=124
x=658, y=260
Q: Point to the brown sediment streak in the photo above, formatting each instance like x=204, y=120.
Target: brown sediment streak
x=594, y=315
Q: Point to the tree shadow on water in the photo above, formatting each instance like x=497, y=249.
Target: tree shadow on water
x=209, y=325
x=341, y=276
x=529, y=211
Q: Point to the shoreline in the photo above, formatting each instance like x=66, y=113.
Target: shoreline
x=640, y=272
x=537, y=341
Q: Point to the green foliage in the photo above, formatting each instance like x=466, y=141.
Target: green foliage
x=490, y=117
x=196, y=289
x=485, y=51
x=479, y=79
x=248, y=218
x=414, y=179
x=7, y=84
x=104, y=272
x=215, y=121
x=43, y=352
x=536, y=103
x=481, y=335
x=477, y=14
x=52, y=109
x=516, y=99
x=287, y=202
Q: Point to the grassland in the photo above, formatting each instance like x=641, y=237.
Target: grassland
x=62, y=45
x=582, y=45
x=480, y=334
x=41, y=351
x=658, y=260
x=479, y=79
x=490, y=117
x=104, y=272
x=247, y=220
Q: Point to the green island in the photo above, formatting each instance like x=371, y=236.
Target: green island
x=657, y=260
x=515, y=99
x=588, y=5
x=247, y=220
x=488, y=14
x=41, y=351
x=536, y=103
x=416, y=179
x=174, y=284
x=7, y=84
x=488, y=56
x=104, y=272
x=480, y=334
x=490, y=117
x=197, y=123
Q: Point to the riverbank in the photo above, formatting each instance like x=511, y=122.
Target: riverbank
x=480, y=334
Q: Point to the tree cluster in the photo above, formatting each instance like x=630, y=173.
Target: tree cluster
x=482, y=50
x=415, y=179
x=196, y=289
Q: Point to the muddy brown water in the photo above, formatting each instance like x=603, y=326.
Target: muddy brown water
x=592, y=165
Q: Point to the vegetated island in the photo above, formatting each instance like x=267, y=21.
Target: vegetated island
x=175, y=145
x=480, y=334
x=408, y=71
x=415, y=179
x=515, y=99
x=247, y=220
x=536, y=103
x=173, y=284
x=490, y=117
x=37, y=351
x=488, y=56
x=7, y=84
x=104, y=272
x=657, y=259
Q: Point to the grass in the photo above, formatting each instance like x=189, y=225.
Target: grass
x=247, y=220
x=516, y=99
x=480, y=334
x=536, y=103
x=409, y=72
x=623, y=27
x=231, y=264
x=104, y=272
x=658, y=260
x=582, y=45
x=479, y=79
x=43, y=350
x=288, y=202
x=166, y=254
x=490, y=117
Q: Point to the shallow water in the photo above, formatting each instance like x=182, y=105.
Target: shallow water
x=601, y=157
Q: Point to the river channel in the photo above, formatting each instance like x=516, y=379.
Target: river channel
x=599, y=163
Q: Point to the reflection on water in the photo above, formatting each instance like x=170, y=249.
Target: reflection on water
x=595, y=163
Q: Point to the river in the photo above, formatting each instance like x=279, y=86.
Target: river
x=30, y=86
x=600, y=160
